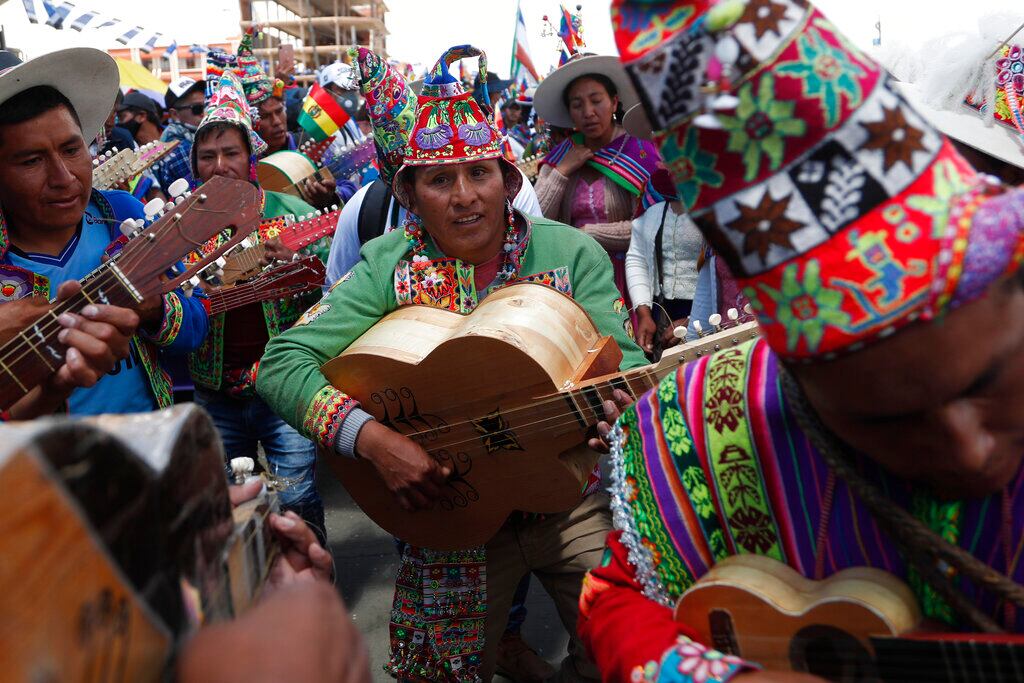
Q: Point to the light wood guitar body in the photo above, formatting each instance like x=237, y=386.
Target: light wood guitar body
x=504, y=397
x=860, y=625
x=116, y=516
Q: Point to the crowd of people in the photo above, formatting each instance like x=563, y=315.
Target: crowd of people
x=735, y=156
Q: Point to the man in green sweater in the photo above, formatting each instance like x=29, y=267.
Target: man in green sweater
x=225, y=366
x=462, y=240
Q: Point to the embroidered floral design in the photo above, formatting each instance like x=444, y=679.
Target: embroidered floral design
x=703, y=664
x=325, y=414
x=760, y=126
x=805, y=307
x=895, y=137
x=475, y=134
x=170, y=326
x=764, y=225
x=697, y=488
x=1010, y=69
x=434, y=137
x=946, y=184
x=650, y=26
x=725, y=409
x=314, y=312
x=827, y=73
x=765, y=17
x=691, y=166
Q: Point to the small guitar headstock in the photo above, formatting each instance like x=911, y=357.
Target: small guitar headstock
x=718, y=334
x=220, y=204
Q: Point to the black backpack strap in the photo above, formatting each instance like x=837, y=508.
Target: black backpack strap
x=658, y=256
x=374, y=211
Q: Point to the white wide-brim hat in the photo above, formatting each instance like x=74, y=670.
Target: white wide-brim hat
x=548, y=98
x=86, y=76
x=970, y=126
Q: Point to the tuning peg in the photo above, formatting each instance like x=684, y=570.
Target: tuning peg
x=221, y=261
x=194, y=281
x=716, y=321
x=698, y=328
x=153, y=207
x=178, y=188
x=748, y=309
x=187, y=288
x=334, y=207
x=680, y=332
x=242, y=468
x=708, y=121
x=725, y=103
x=733, y=314
x=128, y=227
x=95, y=162
x=245, y=243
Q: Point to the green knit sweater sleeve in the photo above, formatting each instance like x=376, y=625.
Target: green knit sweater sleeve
x=289, y=377
x=593, y=284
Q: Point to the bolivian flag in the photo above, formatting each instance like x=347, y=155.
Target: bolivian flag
x=321, y=116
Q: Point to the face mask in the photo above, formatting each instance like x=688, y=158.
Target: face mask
x=132, y=126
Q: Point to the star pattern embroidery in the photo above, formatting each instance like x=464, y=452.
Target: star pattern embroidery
x=895, y=137
x=765, y=16
x=764, y=225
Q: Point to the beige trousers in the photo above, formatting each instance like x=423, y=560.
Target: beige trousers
x=558, y=549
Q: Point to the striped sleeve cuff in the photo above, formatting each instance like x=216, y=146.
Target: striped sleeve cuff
x=326, y=414
x=345, y=444
x=690, y=662
x=174, y=314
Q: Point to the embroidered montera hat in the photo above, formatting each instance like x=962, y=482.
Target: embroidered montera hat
x=258, y=86
x=451, y=128
x=841, y=211
x=390, y=106
x=226, y=103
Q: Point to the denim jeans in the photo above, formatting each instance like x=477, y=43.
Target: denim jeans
x=244, y=423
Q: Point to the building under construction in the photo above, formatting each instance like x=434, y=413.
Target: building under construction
x=321, y=31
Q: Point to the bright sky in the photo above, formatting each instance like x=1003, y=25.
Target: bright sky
x=422, y=29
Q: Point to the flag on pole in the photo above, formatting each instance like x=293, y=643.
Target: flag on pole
x=81, y=22
x=127, y=36
x=171, y=49
x=321, y=116
x=151, y=43
x=198, y=49
x=109, y=22
x=57, y=14
x=30, y=11
x=568, y=32
x=522, y=68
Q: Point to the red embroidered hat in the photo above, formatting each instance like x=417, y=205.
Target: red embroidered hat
x=451, y=128
x=844, y=214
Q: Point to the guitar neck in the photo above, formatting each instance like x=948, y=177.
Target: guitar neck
x=36, y=353
x=587, y=397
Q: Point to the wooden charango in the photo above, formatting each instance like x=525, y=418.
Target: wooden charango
x=859, y=625
x=505, y=397
x=119, y=514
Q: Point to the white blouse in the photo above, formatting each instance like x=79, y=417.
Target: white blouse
x=681, y=244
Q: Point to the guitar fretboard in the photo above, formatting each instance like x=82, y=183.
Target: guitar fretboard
x=36, y=353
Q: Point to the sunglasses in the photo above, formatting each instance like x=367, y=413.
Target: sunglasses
x=196, y=109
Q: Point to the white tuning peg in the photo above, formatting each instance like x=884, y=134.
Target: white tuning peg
x=221, y=261
x=128, y=227
x=334, y=207
x=748, y=309
x=319, y=213
x=716, y=321
x=725, y=102
x=168, y=206
x=187, y=289
x=194, y=281
x=242, y=468
x=680, y=332
x=178, y=188
x=153, y=207
x=698, y=328
x=727, y=50
x=245, y=243
x=708, y=121
x=95, y=163
x=733, y=314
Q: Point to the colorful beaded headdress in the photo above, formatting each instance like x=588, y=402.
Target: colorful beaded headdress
x=226, y=103
x=390, y=105
x=450, y=127
x=257, y=84
x=842, y=212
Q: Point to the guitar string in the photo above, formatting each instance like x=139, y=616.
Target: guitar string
x=130, y=256
x=642, y=373
x=249, y=298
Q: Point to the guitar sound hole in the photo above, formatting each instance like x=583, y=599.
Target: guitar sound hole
x=833, y=654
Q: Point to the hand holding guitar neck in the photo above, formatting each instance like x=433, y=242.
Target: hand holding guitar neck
x=136, y=273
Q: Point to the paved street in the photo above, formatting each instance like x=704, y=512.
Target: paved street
x=367, y=563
